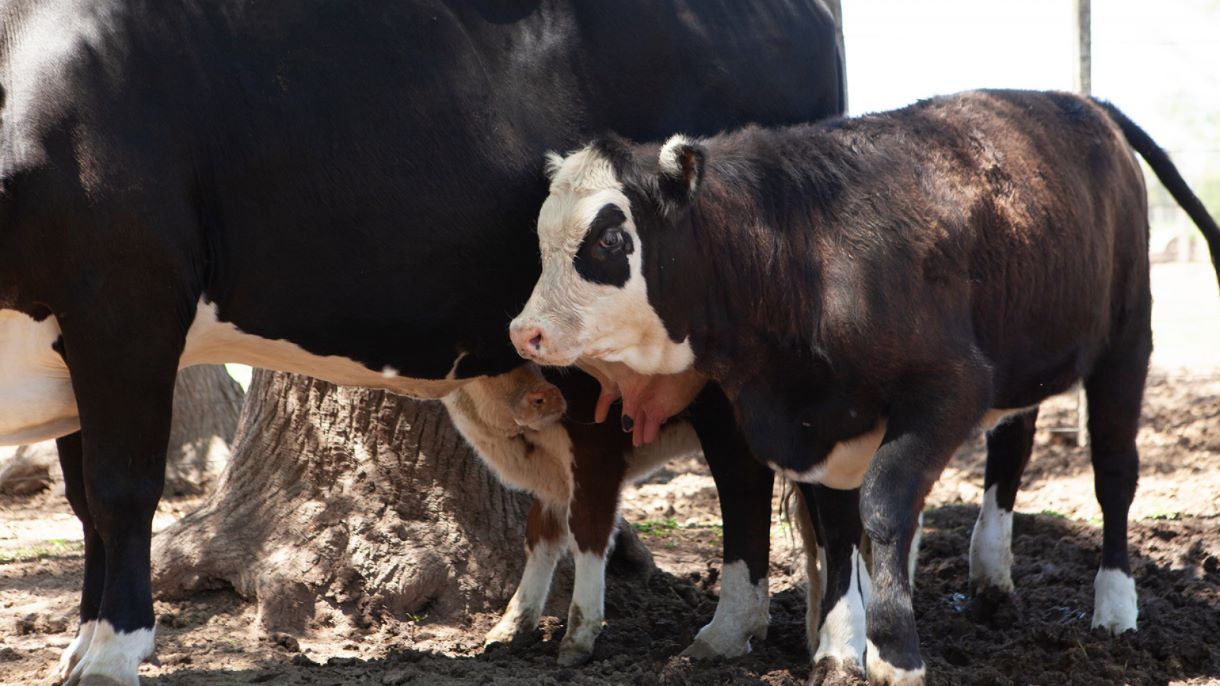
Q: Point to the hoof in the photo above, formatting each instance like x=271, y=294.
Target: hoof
x=882, y=673
x=1115, y=602
x=574, y=655
x=830, y=671
x=699, y=650
x=98, y=680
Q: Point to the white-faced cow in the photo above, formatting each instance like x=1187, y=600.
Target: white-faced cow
x=340, y=189
x=868, y=292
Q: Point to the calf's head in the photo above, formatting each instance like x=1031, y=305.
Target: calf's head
x=609, y=204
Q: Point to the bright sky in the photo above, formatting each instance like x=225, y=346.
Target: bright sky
x=1159, y=61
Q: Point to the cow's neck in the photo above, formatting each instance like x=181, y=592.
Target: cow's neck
x=755, y=235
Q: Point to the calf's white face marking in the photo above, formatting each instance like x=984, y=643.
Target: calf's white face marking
x=597, y=313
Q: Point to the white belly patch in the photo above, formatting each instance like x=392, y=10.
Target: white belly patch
x=37, y=401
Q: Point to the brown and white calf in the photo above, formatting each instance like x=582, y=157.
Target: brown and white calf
x=535, y=441
x=868, y=292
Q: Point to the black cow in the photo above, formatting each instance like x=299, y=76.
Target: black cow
x=340, y=189
x=868, y=292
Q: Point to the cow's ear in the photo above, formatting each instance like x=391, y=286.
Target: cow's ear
x=681, y=169
x=553, y=162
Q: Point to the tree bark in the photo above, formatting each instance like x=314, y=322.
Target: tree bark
x=348, y=505
x=207, y=403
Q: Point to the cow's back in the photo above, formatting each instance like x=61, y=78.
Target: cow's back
x=362, y=179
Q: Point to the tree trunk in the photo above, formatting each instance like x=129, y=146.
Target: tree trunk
x=207, y=403
x=348, y=505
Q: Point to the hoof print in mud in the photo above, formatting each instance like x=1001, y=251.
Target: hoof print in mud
x=994, y=608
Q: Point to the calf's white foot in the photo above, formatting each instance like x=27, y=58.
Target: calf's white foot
x=113, y=657
x=742, y=613
x=1114, y=601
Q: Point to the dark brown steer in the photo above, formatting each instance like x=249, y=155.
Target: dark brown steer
x=868, y=292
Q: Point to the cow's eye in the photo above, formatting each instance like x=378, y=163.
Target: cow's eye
x=612, y=239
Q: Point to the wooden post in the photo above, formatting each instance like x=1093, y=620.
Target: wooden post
x=1084, y=47
x=1084, y=85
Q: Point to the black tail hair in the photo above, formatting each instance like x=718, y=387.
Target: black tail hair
x=1169, y=176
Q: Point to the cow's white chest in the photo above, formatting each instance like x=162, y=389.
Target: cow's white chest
x=37, y=401
x=844, y=467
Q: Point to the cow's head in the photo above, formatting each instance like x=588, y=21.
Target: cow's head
x=609, y=202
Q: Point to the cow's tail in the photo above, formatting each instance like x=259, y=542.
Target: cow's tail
x=1169, y=176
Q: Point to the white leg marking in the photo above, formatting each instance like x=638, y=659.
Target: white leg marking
x=1114, y=601
x=525, y=608
x=743, y=611
x=991, y=546
x=114, y=655
x=587, y=610
x=75, y=651
x=813, y=610
x=882, y=672
x=913, y=552
x=842, y=635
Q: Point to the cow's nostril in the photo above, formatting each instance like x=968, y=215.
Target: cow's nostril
x=536, y=341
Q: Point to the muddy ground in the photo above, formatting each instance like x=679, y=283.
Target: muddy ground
x=1041, y=636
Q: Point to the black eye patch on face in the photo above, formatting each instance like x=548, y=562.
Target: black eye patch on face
x=602, y=257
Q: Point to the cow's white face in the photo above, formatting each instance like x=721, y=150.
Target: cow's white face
x=592, y=298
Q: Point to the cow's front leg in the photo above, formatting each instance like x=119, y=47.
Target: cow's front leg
x=124, y=384
x=924, y=430
x=743, y=486
x=70, y=462
x=546, y=534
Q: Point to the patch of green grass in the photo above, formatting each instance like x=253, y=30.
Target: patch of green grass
x=415, y=618
x=1169, y=515
x=1053, y=513
x=54, y=547
x=655, y=527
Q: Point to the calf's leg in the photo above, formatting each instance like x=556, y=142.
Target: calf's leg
x=846, y=583
x=926, y=424
x=1008, y=448
x=599, y=474
x=1115, y=391
x=546, y=535
x=743, y=486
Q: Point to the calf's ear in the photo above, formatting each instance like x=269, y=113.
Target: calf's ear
x=553, y=162
x=681, y=169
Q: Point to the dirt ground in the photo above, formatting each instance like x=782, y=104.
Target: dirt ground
x=1041, y=636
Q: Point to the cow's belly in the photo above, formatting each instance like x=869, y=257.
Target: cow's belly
x=37, y=402
x=211, y=341
x=847, y=462
x=36, y=399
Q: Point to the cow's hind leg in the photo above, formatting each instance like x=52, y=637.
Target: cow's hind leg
x=123, y=375
x=70, y=461
x=546, y=536
x=1115, y=391
x=1008, y=449
x=743, y=486
x=846, y=583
